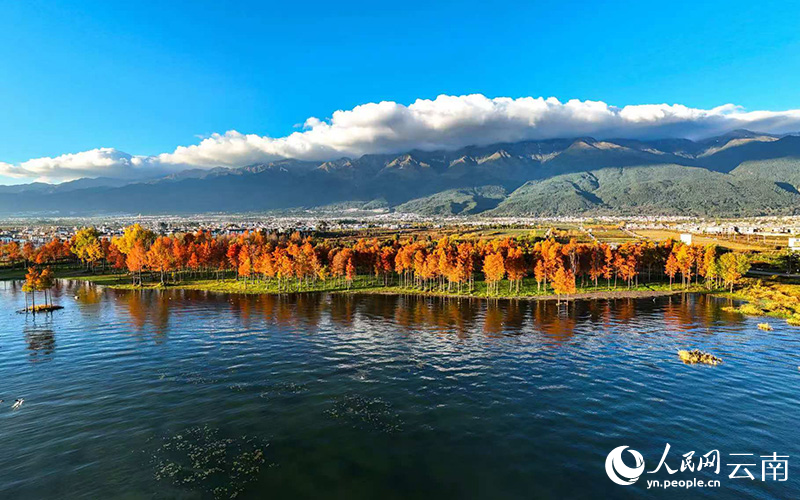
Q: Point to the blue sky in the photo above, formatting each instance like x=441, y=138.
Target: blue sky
x=144, y=77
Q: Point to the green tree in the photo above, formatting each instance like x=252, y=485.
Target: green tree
x=732, y=266
x=131, y=236
x=86, y=245
x=790, y=260
x=710, y=265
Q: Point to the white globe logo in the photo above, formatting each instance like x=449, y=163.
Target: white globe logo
x=619, y=472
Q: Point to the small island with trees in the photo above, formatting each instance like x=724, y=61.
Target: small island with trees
x=39, y=281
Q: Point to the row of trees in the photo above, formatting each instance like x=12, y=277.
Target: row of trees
x=706, y=262
x=446, y=265
x=27, y=254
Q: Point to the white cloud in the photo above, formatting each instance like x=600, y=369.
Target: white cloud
x=447, y=122
x=93, y=163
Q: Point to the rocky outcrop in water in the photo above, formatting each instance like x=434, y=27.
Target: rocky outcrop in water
x=697, y=356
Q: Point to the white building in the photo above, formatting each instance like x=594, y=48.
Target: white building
x=794, y=243
x=686, y=238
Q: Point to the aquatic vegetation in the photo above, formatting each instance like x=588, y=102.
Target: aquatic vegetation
x=194, y=378
x=765, y=326
x=199, y=458
x=366, y=413
x=697, y=356
x=283, y=388
x=773, y=299
x=751, y=310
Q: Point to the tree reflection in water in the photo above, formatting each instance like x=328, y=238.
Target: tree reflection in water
x=690, y=311
x=41, y=340
x=87, y=293
x=147, y=307
x=309, y=309
x=493, y=318
x=556, y=321
x=149, y=312
x=299, y=311
x=342, y=309
x=445, y=315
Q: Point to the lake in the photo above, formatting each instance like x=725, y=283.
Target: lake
x=179, y=394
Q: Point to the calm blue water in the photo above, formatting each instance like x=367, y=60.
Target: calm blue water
x=192, y=395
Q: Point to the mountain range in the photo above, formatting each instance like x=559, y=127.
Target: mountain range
x=742, y=173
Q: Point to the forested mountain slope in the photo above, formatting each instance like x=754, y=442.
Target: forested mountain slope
x=652, y=190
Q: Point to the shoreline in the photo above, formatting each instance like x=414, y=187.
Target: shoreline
x=41, y=309
x=768, y=300
x=594, y=295
x=231, y=286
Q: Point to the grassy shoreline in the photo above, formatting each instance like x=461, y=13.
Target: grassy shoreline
x=772, y=299
x=367, y=285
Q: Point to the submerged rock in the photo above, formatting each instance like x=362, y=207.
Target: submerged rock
x=765, y=326
x=697, y=356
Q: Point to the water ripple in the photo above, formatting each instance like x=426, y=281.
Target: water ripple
x=171, y=394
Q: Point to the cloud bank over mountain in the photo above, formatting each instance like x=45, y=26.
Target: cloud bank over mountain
x=447, y=122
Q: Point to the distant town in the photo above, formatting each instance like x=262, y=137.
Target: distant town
x=777, y=232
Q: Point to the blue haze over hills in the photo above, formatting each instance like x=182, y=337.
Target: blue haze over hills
x=739, y=174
